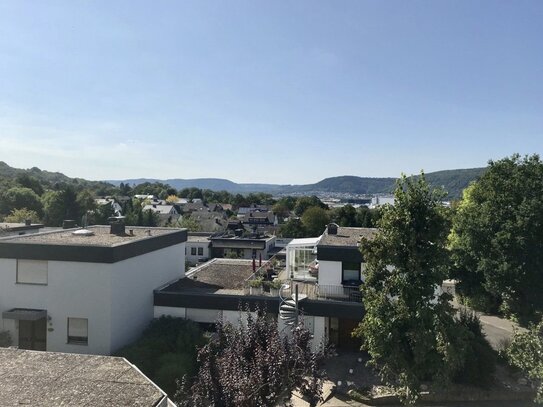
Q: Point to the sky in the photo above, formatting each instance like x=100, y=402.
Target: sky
x=286, y=92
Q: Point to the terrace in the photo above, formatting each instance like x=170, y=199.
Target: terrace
x=261, y=282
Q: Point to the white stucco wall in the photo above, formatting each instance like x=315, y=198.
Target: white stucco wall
x=132, y=283
x=329, y=272
x=74, y=289
x=193, y=259
x=117, y=299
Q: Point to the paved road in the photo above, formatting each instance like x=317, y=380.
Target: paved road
x=342, y=401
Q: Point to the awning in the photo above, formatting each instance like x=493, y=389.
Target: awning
x=24, y=314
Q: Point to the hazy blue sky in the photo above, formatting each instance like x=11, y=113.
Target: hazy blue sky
x=275, y=91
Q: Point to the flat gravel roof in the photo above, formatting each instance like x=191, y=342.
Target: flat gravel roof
x=62, y=379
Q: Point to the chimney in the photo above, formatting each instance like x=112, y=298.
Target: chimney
x=68, y=224
x=117, y=226
x=332, y=229
x=28, y=222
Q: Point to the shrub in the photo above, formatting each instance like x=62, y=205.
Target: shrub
x=166, y=351
x=5, y=339
x=480, y=359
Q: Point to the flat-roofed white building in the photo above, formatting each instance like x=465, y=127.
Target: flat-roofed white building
x=85, y=292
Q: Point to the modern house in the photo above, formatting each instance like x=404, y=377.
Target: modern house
x=85, y=290
x=340, y=261
x=61, y=379
x=250, y=247
x=326, y=271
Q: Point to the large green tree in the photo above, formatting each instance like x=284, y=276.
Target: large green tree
x=409, y=328
x=305, y=202
x=315, y=220
x=18, y=198
x=61, y=205
x=497, y=239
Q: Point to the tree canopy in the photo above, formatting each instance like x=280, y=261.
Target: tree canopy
x=497, y=239
x=409, y=328
x=19, y=198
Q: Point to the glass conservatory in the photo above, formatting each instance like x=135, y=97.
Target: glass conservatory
x=302, y=259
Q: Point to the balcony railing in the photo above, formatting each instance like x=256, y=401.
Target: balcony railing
x=338, y=293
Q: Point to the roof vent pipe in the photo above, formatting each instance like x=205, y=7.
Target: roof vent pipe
x=332, y=229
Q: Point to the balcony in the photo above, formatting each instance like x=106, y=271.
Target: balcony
x=274, y=269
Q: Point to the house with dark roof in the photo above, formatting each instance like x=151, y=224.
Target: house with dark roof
x=166, y=213
x=50, y=379
x=259, y=218
x=210, y=221
x=85, y=290
x=326, y=272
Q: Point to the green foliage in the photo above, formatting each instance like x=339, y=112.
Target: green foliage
x=347, y=215
x=294, y=228
x=189, y=223
x=28, y=181
x=305, y=202
x=526, y=353
x=281, y=210
x=255, y=283
x=497, y=238
x=408, y=330
x=5, y=339
x=20, y=215
x=85, y=202
x=479, y=363
x=101, y=215
x=18, y=198
x=315, y=220
x=166, y=351
x=151, y=188
x=61, y=205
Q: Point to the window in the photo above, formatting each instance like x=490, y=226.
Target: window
x=31, y=272
x=193, y=251
x=200, y=251
x=350, y=273
x=78, y=331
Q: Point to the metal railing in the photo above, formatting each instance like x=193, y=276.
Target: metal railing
x=338, y=293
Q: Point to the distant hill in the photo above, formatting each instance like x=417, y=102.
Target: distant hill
x=215, y=184
x=453, y=181
x=47, y=179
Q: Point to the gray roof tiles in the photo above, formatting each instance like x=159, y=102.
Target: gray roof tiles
x=347, y=236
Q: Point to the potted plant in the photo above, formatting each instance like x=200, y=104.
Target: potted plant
x=255, y=286
x=275, y=286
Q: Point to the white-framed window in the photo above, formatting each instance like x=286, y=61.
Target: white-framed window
x=78, y=331
x=193, y=251
x=32, y=272
x=200, y=251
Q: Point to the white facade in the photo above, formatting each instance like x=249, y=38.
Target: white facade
x=315, y=324
x=198, y=251
x=115, y=298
